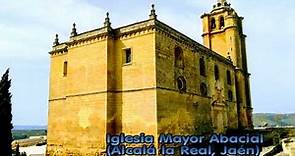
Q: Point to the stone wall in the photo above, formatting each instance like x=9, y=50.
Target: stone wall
x=196, y=109
x=100, y=94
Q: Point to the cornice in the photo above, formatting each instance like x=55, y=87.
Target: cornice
x=89, y=39
x=133, y=30
x=216, y=31
x=89, y=34
x=217, y=10
x=103, y=33
x=243, y=72
x=59, y=49
x=230, y=11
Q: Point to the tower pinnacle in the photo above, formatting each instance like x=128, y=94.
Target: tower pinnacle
x=153, y=14
x=74, y=30
x=221, y=3
x=56, y=40
x=107, y=22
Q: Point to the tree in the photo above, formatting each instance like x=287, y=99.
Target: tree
x=5, y=115
x=17, y=150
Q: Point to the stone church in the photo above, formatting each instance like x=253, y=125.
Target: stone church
x=148, y=77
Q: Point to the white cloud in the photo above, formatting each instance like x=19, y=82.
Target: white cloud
x=27, y=27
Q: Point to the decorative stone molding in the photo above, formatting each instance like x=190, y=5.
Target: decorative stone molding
x=153, y=12
x=133, y=30
x=59, y=49
x=56, y=40
x=103, y=33
x=74, y=30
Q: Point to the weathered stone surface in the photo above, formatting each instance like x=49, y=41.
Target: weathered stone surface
x=101, y=94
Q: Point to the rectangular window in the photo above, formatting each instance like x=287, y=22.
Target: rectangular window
x=65, y=71
x=127, y=56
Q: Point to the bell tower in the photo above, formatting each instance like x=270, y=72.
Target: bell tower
x=223, y=34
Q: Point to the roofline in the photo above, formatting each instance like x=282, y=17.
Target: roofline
x=153, y=22
x=203, y=48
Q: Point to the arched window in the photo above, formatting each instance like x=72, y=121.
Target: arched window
x=178, y=57
x=203, y=89
x=202, y=67
x=221, y=22
x=216, y=72
x=228, y=77
x=230, y=96
x=181, y=84
x=213, y=23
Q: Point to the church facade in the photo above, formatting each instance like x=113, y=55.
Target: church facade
x=147, y=77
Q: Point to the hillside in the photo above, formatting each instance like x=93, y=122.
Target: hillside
x=24, y=132
x=272, y=119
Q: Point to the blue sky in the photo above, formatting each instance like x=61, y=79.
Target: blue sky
x=27, y=30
